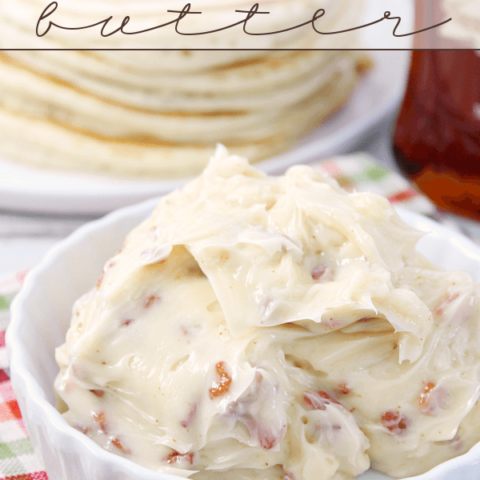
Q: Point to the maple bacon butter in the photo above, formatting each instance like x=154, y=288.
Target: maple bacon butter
x=261, y=327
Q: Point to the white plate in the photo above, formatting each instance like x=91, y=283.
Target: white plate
x=41, y=316
x=26, y=188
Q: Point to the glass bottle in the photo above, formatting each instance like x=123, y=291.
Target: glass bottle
x=437, y=135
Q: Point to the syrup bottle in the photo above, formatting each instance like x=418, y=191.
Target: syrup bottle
x=437, y=136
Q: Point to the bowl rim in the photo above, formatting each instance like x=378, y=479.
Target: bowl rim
x=36, y=395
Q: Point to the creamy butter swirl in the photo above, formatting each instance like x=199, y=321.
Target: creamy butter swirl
x=274, y=327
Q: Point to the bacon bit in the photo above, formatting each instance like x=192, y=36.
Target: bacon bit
x=318, y=271
x=100, y=280
x=223, y=385
x=120, y=446
x=98, y=393
x=82, y=429
x=456, y=443
x=267, y=439
x=343, y=389
x=192, y=414
x=176, y=458
x=322, y=273
x=241, y=412
x=318, y=400
x=100, y=419
x=126, y=323
x=352, y=410
x=396, y=423
x=443, y=304
x=289, y=476
x=431, y=400
x=424, y=397
x=149, y=301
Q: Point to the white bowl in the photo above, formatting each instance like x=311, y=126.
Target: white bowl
x=41, y=316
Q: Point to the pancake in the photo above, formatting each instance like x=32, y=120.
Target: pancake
x=160, y=114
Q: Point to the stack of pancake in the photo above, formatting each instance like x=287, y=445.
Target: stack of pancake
x=161, y=113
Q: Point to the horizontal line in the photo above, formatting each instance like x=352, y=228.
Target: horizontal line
x=232, y=49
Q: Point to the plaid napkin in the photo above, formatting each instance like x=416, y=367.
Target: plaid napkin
x=17, y=458
x=18, y=461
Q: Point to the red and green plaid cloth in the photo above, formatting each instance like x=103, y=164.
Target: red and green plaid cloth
x=18, y=461
x=17, y=458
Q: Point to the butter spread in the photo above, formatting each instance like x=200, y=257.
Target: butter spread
x=261, y=327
